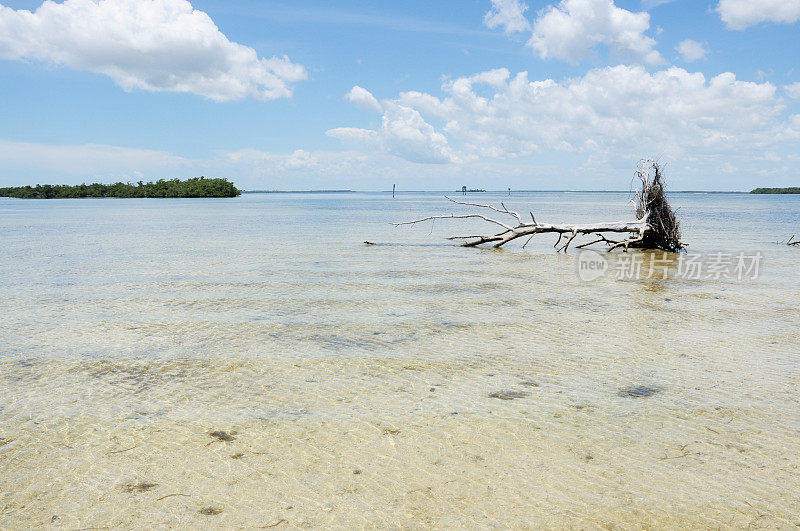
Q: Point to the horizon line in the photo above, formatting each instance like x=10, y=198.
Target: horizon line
x=483, y=192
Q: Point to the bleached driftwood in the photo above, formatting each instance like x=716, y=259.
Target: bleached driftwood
x=655, y=226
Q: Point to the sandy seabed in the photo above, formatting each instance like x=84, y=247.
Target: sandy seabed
x=401, y=444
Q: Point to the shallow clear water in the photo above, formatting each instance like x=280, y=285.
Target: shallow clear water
x=409, y=383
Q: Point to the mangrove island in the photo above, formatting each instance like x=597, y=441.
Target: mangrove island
x=195, y=187
x=793, y=190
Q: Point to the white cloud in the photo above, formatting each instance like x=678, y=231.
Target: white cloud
x=406, y=134
x=741, y=14
x=507, y=14
x=793, y=90
x=157, y=45
x=692, y=50
x=573, y=28
x=622, y=110
x=364, y=99
x=403, y=133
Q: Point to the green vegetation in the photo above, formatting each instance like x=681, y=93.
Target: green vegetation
x=776, y=191
x=196, y=187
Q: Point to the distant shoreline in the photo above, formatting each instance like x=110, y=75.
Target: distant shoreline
x=455, y=192
x=774, y=191
x=299, y=191
x=127, y=191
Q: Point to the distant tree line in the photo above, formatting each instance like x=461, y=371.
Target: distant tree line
x=793, y=190
x=195, y=187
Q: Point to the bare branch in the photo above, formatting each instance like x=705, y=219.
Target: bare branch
x=456, y=216
x=601, y=239
x=504, y=210
x=569, y=241
x=528, y=241
x=482, y=240
x=464, y=237
x=627, y=243
x=655, y=226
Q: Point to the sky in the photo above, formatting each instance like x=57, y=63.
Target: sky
x=427, y=95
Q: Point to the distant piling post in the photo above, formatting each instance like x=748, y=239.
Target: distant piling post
x=393, y=186
x=509, y=192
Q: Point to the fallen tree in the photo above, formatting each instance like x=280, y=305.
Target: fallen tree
x=655, y=226
x=792, y=241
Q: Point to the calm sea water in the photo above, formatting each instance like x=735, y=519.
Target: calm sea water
x=409, y=383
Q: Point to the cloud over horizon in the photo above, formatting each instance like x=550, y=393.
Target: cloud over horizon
x=621, y=109
x=403, y=133
x=92, y=160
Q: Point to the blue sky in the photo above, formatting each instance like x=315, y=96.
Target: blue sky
x=428, y=95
